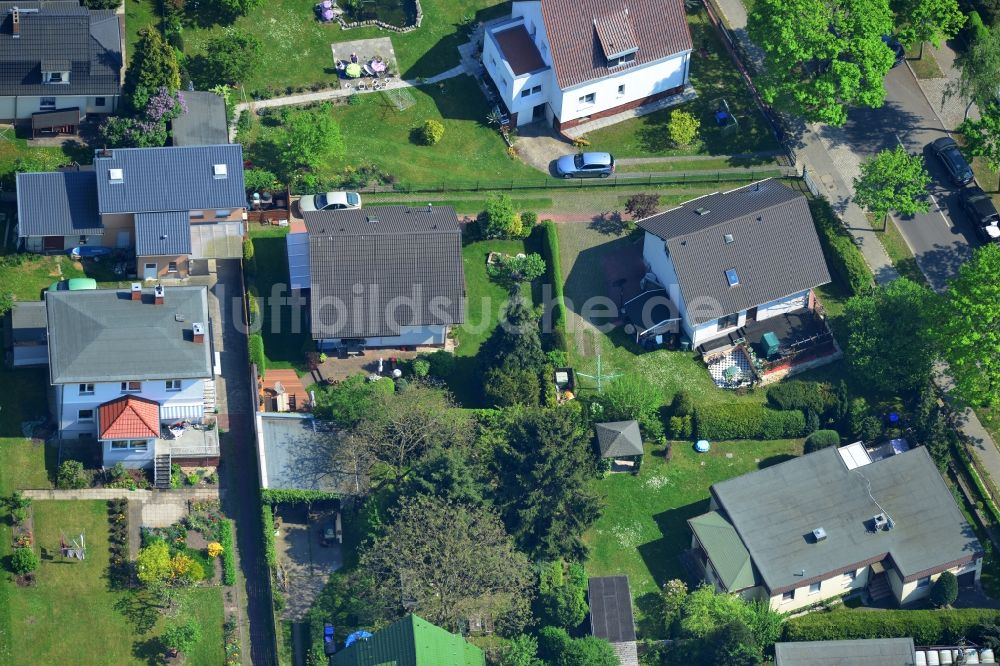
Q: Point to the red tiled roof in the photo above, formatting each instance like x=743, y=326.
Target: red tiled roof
x=615, y=33
x=659, y=29
x=128, y=417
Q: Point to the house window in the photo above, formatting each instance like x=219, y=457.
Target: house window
x=814, y=588
x=131, y=387
x=86, y=389
x=47, y=104
x=130, y=444
x=85, y=415
x=526, y=92
x=622, y=60
x=100, y=101
x=788, y=596
x=621, y=90
x=83, y=240
x=535, y=90
x=197, y=214
x=589, y=98
x=732, y=278
x=173, y=385
x=923, y=582
x=729, y=321
x=172, y=267
x=56, y=77
x=223, y=213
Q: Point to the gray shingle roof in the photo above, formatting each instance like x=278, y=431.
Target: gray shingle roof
x=619, y=438
x=57, y=204
x=204, y=123
x=774, y=249
x=776, y=509
x=27, y=321
x=871, y=652
x=660, y=30
x=162, y=234
x=104, y=336
x=298, y=453
x=171, y=178
x=385, y=253
x=60, y=34
x=611, y=608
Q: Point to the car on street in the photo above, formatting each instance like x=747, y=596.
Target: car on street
x=896, y=48
x=330, y=201
x=585, y=165
x=981, y=210
x=954, y=162
x=74, y=284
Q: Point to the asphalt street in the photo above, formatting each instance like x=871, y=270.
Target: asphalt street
x=940, y=239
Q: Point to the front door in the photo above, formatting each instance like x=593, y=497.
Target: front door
x=538, y=112
x=149, y=271
x=53, y=243
x=123, y=240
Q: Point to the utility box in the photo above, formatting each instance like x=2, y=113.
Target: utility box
x=770, y=344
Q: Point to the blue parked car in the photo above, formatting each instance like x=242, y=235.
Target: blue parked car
x=585, y=165
x=89, y=251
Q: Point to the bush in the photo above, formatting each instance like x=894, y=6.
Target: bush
x=71, y=475
x=442, y=363
x=257, y=353
x=498, y=219
x=683, y=128
x=23, y=561
x=259, y=180
x=529, y=219
x=926, y=627
x=822, y=439
x=550, y=253
x=977, y=30
x=228, y=552
x=431, y=132
x=747, y=421
x=797, y=394
x=680, y=427
x=682, y=405
x=247, y=249
x=842, y=255
x=642, y=205
x=945, y=590
x=267, y=521
x=420, y=367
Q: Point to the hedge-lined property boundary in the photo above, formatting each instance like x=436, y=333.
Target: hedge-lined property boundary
x=842, y=255
x=553, y=276
x=228, y=552
x=281, y=496
x=257, y=357
x=747, y=421
x=926, y=627
x=267, y=525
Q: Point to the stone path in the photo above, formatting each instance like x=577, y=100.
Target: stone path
x=949, y=108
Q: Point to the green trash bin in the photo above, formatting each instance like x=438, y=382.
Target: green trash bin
x=769, y=343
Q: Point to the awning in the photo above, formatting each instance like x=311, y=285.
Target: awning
x=180, y=412
x=298, y=260
x=217, y=240
x=59, y=118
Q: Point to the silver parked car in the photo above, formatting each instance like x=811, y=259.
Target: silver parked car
x=586, y=165
x=330, y=201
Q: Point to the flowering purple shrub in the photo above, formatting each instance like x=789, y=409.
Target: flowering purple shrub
x=164, y=106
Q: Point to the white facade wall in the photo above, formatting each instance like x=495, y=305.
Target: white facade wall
x=131, y=458
x=783, y=305
x=834, y=586
x=909, y=592
x=654, y=252
x=21, y=107
x=409, y=336
x=190, y=399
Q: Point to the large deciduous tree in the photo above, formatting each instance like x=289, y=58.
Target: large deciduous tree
x=934, y=21
x=982, y=137
x=230, y=58
x=979, y=77
x=153, y=66
x=545, y=471
x=822, y=57
x=448, y=563
x=310, y=137
x=890, y=342
x=969, y=328
x=893, y=180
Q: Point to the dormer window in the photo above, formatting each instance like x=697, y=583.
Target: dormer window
x=617, y=37
x=55, y=71
x=56, y=77
x=623, y=59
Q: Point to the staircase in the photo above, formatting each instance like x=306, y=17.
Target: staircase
x=210, y=396
x=161, y=471
x=879, y=588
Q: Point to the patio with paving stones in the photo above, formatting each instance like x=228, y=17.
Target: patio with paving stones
x=305, y=563
x=366, y=50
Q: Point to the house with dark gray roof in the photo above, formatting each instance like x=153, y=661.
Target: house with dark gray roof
x=571, y=61
x=175, y=208
x=828, y=524
x=132, y=369
x=723, y=261
x=204, y=124
x=58, y=56
x=387, y=276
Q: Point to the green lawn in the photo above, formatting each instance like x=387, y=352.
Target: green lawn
x=756, y=164
x=284, y=344
x=377, y=133
x=644, y=529
x=714, y=77
x=925, y=67
x=297, y=47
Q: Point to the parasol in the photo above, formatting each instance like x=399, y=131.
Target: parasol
x=377, y=65
x=353, y=70
x=327, y=14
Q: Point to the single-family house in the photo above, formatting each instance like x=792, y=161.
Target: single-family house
x=171, y=207
x=570, y=61
x=611, y=616
x=868, y=652
x=387, y=276
x=831, y=523
x=58, y=56
x=131, y=369
x=723, y=261
x=411, y=641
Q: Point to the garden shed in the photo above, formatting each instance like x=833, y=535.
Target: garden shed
x=621, y=441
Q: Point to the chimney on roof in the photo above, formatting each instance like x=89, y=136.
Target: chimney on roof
x=104, y=152
x=198, y=330
x=136, y=291
x=15, y=22
x=158, y=295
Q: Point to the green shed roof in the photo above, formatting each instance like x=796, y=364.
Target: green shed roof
x=411, y=641
x=725, y=549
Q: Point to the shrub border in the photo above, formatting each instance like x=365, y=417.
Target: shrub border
x=228, y=552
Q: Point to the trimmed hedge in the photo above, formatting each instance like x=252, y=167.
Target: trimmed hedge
x=842, y=255
x=553, y=275
x=267, y=525
x=926, y=627
x=257, y=357
x=228, y=552
x=822, y=439
x=798, y=394
x=746, y=421
x=281, y=496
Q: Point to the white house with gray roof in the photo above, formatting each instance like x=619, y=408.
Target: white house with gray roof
x=825, y=524
x=175, y=207
x=726, y=260
x=132, y=370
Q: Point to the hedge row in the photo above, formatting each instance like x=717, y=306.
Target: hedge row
x=256, y=343
x=747, y=421
x=267, y=525
x=926, y=627
x=971, y=471
x=553, y=276
x=281, y=496
x=228, y=552
x=842, y=255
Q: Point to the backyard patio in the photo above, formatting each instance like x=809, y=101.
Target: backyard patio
x=364, y=60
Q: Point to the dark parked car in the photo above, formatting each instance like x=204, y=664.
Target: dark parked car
x=586, y=165
x=896, y=48
x=983, y=214
x=947, y=151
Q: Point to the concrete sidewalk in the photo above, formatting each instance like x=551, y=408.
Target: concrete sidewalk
x=949, y=108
